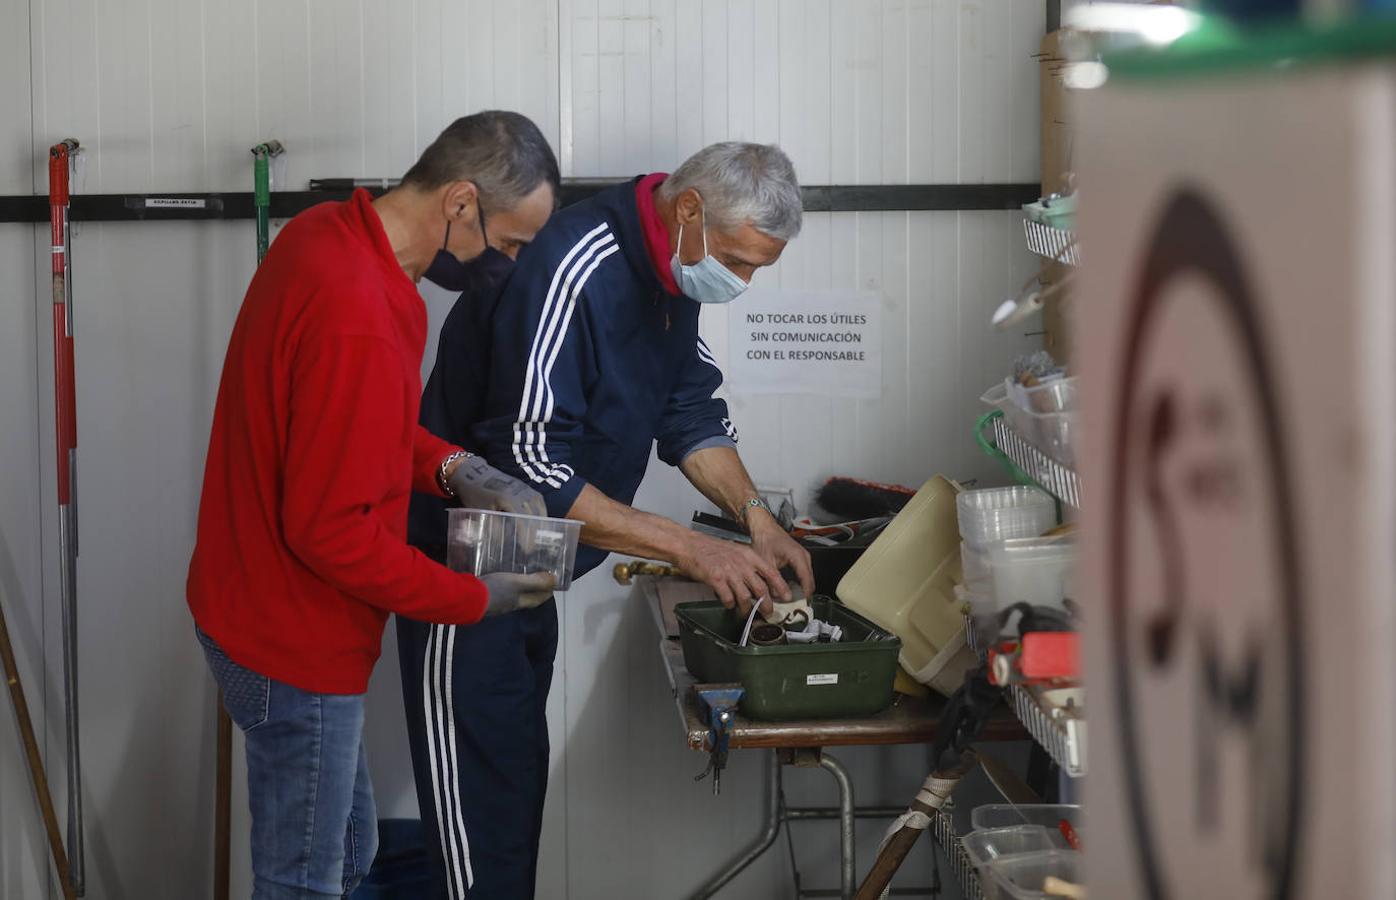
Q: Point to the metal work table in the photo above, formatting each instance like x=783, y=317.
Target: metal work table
x=800, y=743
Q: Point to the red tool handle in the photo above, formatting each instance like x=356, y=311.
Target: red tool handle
x=65, y=392
x=1038, y=657
x=1050, y=655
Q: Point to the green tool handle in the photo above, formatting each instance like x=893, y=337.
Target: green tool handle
x=261, y=201
x=989, y=447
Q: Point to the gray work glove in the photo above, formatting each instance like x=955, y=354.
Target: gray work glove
x=509, y=592
x=479, y=485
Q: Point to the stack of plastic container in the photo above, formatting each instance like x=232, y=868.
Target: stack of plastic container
x=1005, y=560
x=1016, y=848
x=1044, y=414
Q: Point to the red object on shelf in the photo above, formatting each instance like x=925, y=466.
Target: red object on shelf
x=1052, y=655
x=1073, y=840
x=1038, y=657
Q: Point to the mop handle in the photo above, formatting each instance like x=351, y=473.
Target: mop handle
x=261, y=191
x=65, y=422
x=65, y=393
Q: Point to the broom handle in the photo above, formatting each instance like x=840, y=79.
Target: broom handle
x=894, y=852
x=36, y=762
x=223, y=776
x=223, y=805
x=65, y=423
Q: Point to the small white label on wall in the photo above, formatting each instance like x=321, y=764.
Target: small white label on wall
x=806, y=342
x=175, y=203
x=830, y=678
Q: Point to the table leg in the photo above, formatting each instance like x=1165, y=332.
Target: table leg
x=847, y=863
x=762, y=842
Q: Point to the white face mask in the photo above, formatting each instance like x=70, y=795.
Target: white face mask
x=707, y=280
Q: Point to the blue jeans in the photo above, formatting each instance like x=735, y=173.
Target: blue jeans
x=314, y=830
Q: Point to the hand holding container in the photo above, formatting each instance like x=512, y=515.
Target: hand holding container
x=482, y=541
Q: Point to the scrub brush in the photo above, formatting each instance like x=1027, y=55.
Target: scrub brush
x=853, y=498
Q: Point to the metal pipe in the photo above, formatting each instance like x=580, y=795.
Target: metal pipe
x=895, y=892
x=798, y=813
x=847, y=863
x=349, y=184
x=762, y=843
x=624, y=573
x=68, y=548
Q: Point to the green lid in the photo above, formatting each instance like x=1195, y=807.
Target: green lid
x=1217, y=47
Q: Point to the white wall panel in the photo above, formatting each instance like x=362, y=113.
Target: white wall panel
x=23, y=850
x=168, y=95
x=24, y=862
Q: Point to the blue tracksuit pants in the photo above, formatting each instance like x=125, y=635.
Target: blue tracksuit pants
x=475, y=698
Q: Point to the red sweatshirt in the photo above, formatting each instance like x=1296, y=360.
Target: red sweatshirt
x=301, y=549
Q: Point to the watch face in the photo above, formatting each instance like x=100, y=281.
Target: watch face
x=1204, y=577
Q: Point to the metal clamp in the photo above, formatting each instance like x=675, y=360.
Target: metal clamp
x=721, y=702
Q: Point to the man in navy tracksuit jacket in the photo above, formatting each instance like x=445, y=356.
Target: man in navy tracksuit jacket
x=565, y=378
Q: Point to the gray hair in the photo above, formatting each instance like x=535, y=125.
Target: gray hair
x=503, y=153
x=742, y=183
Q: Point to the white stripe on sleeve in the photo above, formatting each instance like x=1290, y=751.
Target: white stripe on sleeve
x=706, y=355
x=533, y=387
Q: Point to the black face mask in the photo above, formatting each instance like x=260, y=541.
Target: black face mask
x=480, y=275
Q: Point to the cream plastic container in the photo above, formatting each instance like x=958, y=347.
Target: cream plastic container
x=905, y=583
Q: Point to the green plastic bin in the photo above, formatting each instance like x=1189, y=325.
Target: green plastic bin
x=793, y=681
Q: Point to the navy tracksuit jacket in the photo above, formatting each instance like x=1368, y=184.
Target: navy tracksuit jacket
x=565, y=377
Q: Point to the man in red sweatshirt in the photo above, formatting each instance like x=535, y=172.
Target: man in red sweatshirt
x=301, y=548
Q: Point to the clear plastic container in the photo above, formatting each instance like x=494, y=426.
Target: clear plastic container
x=1055, y=433
x=1006, y=815
x=991, y=843
x=974, y=563
x=482, y=542
x=1037, y=571
x=1021, y=876
x=1051, y=396
x=999, y=514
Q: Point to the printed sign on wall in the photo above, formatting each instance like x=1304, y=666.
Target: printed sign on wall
x=806, y=342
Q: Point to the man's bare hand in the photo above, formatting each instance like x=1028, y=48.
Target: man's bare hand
x=779, y=549
x=736, y=573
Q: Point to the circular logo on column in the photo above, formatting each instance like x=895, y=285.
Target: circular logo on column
x=1204, y=576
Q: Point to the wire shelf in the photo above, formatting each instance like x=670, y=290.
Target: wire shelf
x=945, y=834
x=1061, y=733
x=1054, y=243
x=1057, y=479
x=974, y=641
